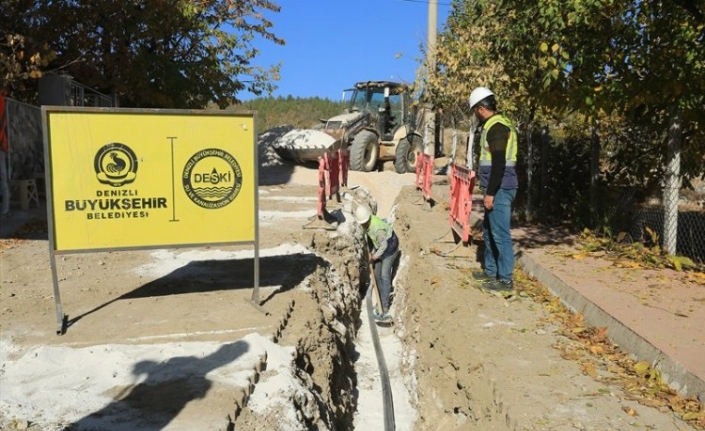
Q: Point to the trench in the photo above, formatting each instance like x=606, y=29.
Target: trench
x=339, y=378
x=319, y=359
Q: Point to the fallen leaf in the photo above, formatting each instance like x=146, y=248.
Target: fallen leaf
x=600, y=335
x=630, y=411
x=596, y=350
x=691, y=416
x=589, y=369
x=657, y=403
x=641, y=367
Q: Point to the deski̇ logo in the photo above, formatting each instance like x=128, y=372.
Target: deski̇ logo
x=212, y=178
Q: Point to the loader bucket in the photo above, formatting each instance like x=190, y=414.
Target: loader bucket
x=304, y=145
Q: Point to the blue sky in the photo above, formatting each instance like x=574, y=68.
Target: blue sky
x=331, y=44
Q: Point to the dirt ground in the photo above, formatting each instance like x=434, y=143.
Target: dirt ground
x=489, y=363
x=470, y=361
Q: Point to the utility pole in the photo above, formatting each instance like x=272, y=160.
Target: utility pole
x=431, y=36
x=430, y=136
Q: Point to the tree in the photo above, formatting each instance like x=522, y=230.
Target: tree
x=632, y=67
x=160, y=53
x=22, y=58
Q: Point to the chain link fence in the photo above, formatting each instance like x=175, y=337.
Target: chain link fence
x=558, y=188
x=645, y=222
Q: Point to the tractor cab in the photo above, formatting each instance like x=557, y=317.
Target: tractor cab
x=385, y=102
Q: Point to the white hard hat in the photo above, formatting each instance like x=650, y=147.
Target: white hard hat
x=362, y=214
x=479, y=94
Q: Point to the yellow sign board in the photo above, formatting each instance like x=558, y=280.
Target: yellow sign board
x=128, y=178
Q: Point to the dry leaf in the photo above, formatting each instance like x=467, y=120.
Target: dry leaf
x=657, y=403
x=641, y=367
x=630, y=411
x=596, y=350
x=600, y=335
x=589, y=369
x=691, y=416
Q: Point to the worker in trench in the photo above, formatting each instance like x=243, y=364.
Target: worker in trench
x=383, y=244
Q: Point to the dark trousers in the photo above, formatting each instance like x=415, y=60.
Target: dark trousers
x=383, y=274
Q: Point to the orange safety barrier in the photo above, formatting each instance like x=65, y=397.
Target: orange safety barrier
x=424, y=173
x=328, y=186
x=344, y=163
x=461, y=185
x=331, y=171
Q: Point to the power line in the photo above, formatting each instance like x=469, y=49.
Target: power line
x=425, y=2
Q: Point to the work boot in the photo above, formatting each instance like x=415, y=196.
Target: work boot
x=382, y=318
x=482, y=276
x=498, y=286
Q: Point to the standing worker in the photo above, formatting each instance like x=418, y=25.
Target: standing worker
x=384, y=249
x=499, y=184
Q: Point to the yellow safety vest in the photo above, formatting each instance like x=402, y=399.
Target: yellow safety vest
x=377, y=224
x=485, y=154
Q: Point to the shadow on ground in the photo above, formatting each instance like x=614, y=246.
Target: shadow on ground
x=167, y=388
x=282, y=272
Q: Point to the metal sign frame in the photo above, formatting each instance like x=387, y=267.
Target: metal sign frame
x=115, y=164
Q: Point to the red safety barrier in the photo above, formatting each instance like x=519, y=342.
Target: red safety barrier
x=424, y=174
x=328, y=186
x=461, y=185
x=344, y=164
x=331, y=169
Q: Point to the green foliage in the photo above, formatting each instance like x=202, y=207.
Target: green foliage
x=302, y=113
x=175, y=54
x=463, y=58
x=621, y=69
x=558, y=56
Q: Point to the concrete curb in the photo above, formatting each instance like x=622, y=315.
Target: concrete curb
x=674, y=373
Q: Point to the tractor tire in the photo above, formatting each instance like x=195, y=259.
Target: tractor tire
x=406, y=153
x=364, y=152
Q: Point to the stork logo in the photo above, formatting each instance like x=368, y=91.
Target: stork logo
x=115, y=164
x=212, y=178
